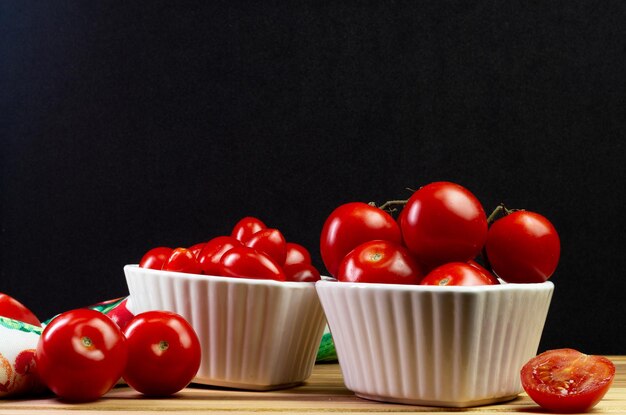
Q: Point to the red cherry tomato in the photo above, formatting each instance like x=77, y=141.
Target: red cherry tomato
x=443, y=223
x=270, y=241
x=182, y=260
x=155, y=258
x=350, y=225
x=197, y=248
x=483, y=270
x=523, y=247
x=211, y=254
x=301, y=272
x=121, y=315
x=11, y=308
x=163, y=353
x=246, y=262
x=81, y=354
x=246, y=227
x=379, y=262
x=296, y=254
x=566, y=380
x=458, y=273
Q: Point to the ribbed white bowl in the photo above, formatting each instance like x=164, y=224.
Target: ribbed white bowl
x=255, y=334
x=430, y=345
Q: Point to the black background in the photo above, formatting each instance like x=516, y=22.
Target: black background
x=127, y=125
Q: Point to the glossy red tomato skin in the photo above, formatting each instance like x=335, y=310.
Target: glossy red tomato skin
x=246, y=262
x=211, y=254
x=155, y=257
x=164, y=353
x=523, y=247
x=484, y=271
x=121, y=315
x=197, y=248
x=350, y=225
x=301, y=272
x=11, y=308
x=270, y=241
x=380, y=261
x=296, y=254
x=81, y=354
x=246, y=227
x=443, y=222
x=566, y=380
x=182, y=260
x=458, y=273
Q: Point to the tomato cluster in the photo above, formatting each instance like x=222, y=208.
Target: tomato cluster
x=82, y=354
x=438, y=235
x=252, y=250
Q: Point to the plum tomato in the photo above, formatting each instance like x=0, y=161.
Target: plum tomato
x=155, y=258
x=182, y=260
x=211, y=254
x=11, y=308
x=81, y=354
x=458, y=273
x=443, y=222
x=120, y=314
x=163, y=353
x=379, y=261
x=566, y=380
x=245, y=262
x=296, y=254
x=350, y=225
x=270, y=241
x=196, y=248
x=301, y=272
x=246, y=227
x=523, y=247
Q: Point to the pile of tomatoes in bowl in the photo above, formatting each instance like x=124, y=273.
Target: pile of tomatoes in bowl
x=439, y=237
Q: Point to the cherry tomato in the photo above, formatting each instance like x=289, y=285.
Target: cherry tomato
x=211, y=254
x=270, y=241
x=246, y=262
x=11, y=308
x=443, y=223
x=301, y=272
x=458, y=273
x=379, y=262
x=197, y=248
x=566, y=380
x=246, y=227
x=81, y=354
x=483, y=270
x=163, y=353
x=350, y=225
x=523, y=247
x=121, y=315
x=155, y=258
x=182, y=260
x=296, y=254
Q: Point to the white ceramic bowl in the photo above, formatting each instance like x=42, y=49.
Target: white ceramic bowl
x=437, y=346
x=255, y=334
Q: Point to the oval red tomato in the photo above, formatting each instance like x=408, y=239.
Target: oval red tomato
x=523, y=247
x=155, y=258
x=271, y=242
x=458, y=273
x=246, y=262
x=443, y=222
x=182, y=260
x=211, y=254
x=121, y=315
x=197, y=248
x=301, y=272
x=246, y=227
x=81, y=354
x=296, y=254
x=379, y=262
x=163, y=353
x=11, y=308
x=566, y=380
x=350, y=225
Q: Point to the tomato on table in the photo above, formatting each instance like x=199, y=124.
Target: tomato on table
x=155, y=257
x=246, y=227
x=350, y=225
x=11, y=308
x=566, y=380
x=523, y=247
x=459, y=273
x=379, y=262
x=81, y=354
x=163, y=353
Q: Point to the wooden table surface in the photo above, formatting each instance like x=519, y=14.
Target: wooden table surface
x=323, y=393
